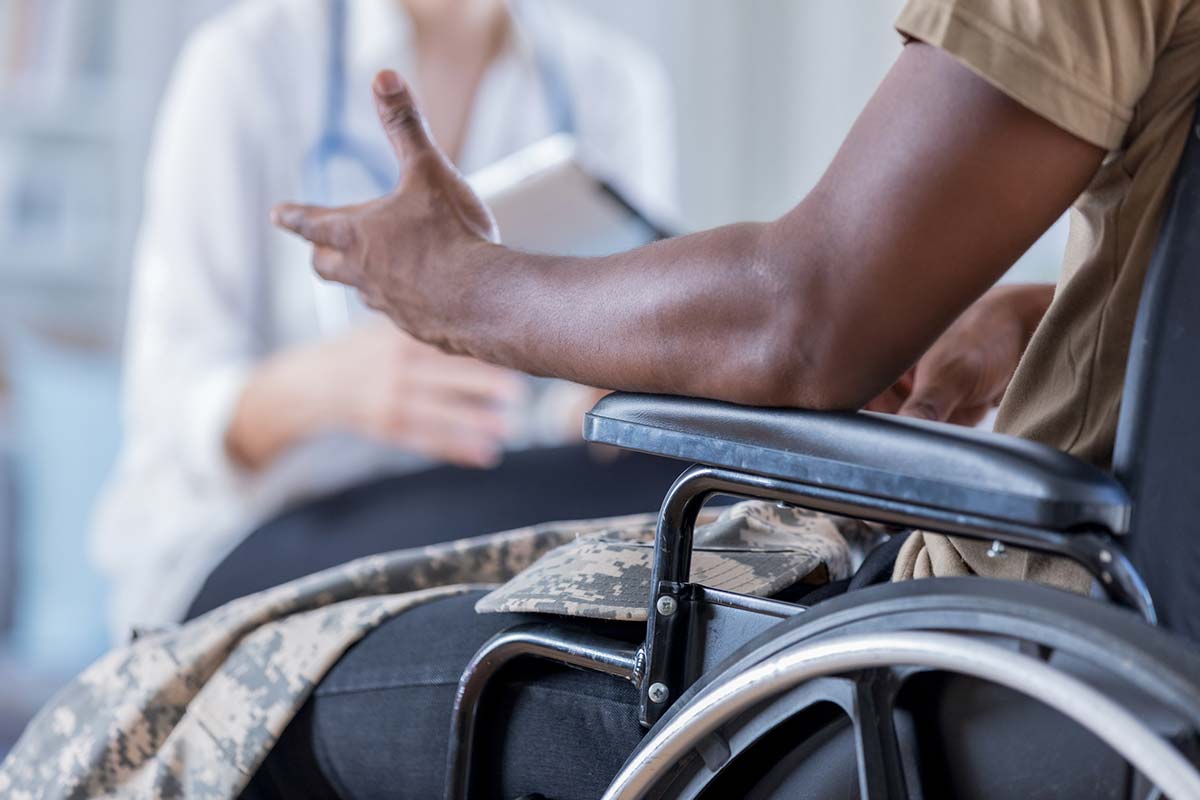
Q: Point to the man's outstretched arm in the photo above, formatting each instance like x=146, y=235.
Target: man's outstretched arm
x=941, y=184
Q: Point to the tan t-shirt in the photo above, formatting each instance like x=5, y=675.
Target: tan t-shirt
x=1121, y=74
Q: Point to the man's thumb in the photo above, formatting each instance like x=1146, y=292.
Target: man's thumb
x=400, y=116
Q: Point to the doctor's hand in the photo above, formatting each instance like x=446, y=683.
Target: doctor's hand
x=965, y=373
x=402, y=251
x=384, y=385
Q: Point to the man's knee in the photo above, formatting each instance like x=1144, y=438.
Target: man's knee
x=379, y=721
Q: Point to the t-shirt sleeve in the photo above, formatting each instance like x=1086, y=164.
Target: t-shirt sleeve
x=1082, y=64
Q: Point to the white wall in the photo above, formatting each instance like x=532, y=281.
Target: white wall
x=766, y=89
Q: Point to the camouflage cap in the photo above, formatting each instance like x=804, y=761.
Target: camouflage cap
x=753, y=548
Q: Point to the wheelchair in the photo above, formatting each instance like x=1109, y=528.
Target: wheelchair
x=946, y=687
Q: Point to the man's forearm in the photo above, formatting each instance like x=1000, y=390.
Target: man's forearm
x=1032, y=301
x=715, y=314
x=825, y=307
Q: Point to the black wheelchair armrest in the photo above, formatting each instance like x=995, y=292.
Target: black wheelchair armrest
x=924, y=466
x=872, y=466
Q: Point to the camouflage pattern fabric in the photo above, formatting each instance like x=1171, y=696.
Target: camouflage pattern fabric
x=192, y=711
x=753, y=548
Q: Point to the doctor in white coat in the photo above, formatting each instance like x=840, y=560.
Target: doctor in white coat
x=242, y=399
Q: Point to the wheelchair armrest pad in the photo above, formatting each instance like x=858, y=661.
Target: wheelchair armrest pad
x=924, y=463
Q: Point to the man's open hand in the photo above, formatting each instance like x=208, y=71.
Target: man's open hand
x=398, y=249
x=966, y=372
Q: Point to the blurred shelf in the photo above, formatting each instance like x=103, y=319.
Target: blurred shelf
x=67, y=311
x=26, y=266
x=32, y=282
x=87, y=111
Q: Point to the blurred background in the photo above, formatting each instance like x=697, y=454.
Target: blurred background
x=765, y=90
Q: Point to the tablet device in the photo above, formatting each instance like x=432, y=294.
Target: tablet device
x=544, y=201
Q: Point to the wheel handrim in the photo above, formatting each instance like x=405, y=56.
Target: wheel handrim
x=718, y=703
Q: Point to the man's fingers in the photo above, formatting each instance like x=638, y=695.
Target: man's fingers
x=892, y=398
x=889, y=400
x=935, y=397
x=329, y=264
x=934, y=405
x=970, y=416
x=943, y=382
x=401, y=118
x=321, y=226
x=418, y=153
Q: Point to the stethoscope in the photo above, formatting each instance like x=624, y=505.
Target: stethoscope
x=336, y=143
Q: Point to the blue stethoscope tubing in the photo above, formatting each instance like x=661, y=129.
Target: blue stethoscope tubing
x=336, y=142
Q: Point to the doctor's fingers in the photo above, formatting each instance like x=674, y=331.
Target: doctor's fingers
x=459, y=432
x=327, y=227
x=458, y=377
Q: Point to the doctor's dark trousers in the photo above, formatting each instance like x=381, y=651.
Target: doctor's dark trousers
x=438, y=505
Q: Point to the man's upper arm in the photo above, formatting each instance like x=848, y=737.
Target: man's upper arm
x=942, y=183
x=1084, y=66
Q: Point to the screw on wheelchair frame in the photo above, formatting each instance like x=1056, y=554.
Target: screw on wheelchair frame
x=639, y=667
x=997, y=550
x=1106, y=576
x=667, y=605
x=658, y=693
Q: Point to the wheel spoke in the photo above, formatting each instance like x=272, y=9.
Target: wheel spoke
x=880, y=770
x=1035, y=650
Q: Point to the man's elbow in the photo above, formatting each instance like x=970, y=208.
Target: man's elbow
x=812, y=388
x=803, y=353
x=797, y=368
x=805, y=349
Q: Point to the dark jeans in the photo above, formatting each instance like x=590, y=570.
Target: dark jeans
x=377, y=725
x=437, y=505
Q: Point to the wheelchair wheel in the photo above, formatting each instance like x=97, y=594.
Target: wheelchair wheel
x=937, y=688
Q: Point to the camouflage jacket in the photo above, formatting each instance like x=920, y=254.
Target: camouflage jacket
x=192, y=711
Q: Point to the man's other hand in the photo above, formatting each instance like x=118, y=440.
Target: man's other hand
x=965, y=373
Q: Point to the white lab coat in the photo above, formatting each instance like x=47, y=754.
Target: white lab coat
x=215, y=288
